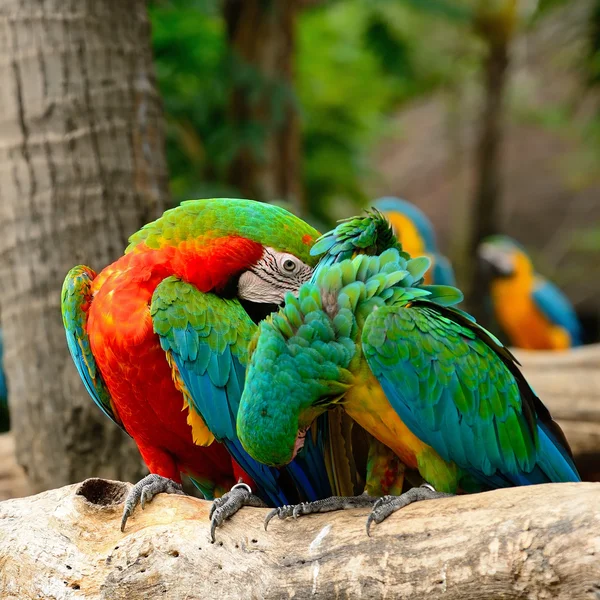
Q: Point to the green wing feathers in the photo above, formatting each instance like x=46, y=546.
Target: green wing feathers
x=75, y=301
x=449, y=387
x=206, y=337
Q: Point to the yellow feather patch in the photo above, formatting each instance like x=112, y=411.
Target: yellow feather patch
x=368, y=405
x=201, y=435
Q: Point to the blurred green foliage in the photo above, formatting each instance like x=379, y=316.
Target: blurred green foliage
x=356, y=61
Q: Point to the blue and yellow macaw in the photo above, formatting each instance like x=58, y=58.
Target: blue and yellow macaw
x=532, y=312
x=416, y=234
x=433, y=387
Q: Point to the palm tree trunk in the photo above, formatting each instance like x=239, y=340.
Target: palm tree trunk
x=82, y=166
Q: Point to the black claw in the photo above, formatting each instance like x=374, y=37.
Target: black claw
x=370, y=519
x=387, y=505
x=325, y=505
x=272, y=514
x=143, y=492
x=216, y=503
x=226, y=506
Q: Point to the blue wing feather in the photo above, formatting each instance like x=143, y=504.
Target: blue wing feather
x=557, y=309
x=210, y=358
x=443, y=274
x=76, y=293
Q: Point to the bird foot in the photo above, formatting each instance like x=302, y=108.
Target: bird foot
x=387, y=505
x=228, y=504
x=144, y=490
x=327, y=505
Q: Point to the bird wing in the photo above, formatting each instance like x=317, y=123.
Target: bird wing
x=458, y=389
x=553, y=304
x=443, y=274
x=207, y=337
x=76, y=298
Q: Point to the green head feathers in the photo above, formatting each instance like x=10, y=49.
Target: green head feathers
x=216, y=218
x=303, y=356
x=371, y=234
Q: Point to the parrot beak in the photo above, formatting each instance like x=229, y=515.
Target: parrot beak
x=494, y=262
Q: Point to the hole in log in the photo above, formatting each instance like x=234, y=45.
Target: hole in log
x=102, y=492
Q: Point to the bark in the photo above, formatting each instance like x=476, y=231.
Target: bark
x=530, y=542
x=261, y=34
x=485, y=218
x=82, y=167
x=13, y=483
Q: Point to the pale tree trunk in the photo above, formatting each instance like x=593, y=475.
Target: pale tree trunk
x=261, y=35
x=82, y=166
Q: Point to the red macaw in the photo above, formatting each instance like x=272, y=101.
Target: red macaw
x=160, y=340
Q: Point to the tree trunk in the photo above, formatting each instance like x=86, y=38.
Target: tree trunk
x=485, y=219
x=261, y=35
x=530, y=542
x=82, y=167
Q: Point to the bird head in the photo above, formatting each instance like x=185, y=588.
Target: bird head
x=502, y=257
x=303, y=358
x=251, y=250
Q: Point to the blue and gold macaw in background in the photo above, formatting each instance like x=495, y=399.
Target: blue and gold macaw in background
x=4, y=416
x=440, y=393
x=533, y=313
x=416, y=234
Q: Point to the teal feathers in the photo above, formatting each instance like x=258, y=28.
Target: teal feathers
x=452, y=383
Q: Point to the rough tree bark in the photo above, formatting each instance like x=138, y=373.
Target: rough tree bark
x=82, y=167
x=261, y=34
x=534, y=542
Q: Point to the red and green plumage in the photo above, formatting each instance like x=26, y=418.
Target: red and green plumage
x=165, y=316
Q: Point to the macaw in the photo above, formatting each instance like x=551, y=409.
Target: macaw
x=4, y=415
x=532, y=312
x=417, y=236
x=421, y=376
x=160, y=338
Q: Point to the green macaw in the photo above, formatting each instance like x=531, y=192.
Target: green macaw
x=422, y=377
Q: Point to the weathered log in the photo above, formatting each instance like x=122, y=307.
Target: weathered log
x=535, y=542
x=569, y=385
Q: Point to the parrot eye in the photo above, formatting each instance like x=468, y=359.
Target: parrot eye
x=289, y=266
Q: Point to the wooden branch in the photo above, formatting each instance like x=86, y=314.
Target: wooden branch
x=569, y=385
x=534, y=542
